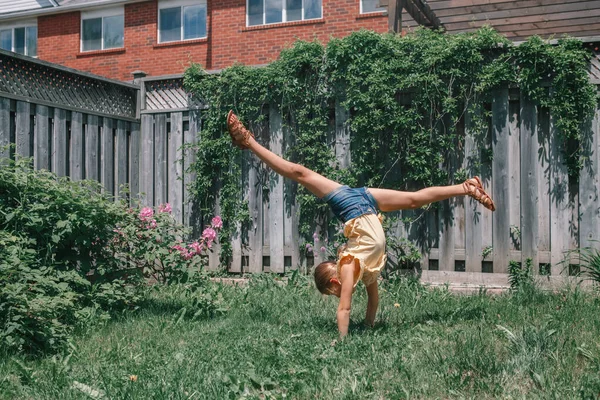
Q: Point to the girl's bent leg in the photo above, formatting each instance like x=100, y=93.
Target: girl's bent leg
x=394, y=200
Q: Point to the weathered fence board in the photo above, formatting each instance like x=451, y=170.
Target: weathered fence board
x=91, y=148
x=255, y=231
x=134, y=160
x=500, y=173
x=276, y=231
x=76, y=147
x=175, y=167
x=514, y=175
x=59, y=142
x=5, y=131
x=121, y=159
x=147, y=160
x=589, y=224
x=41, y=139
x=160, y=159
x=529, y=181
x=560, y=212
x=23, y=129
x=107, y=156
x=543, y=169
x=473, y=223
x=190, y=138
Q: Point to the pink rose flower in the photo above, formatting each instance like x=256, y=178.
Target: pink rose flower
x=165, y=208
x=217, y=222
x=323, y=249
x=209, y=234
x=146, y=213
x=196, y=248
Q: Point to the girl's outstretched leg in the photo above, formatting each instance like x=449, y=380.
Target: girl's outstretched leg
x=393, y=200
x=314, y=182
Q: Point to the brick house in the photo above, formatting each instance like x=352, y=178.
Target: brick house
x=113, y=38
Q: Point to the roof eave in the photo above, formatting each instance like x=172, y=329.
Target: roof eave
x=62, y=9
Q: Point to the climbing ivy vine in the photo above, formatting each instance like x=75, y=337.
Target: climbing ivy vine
x=407, y=98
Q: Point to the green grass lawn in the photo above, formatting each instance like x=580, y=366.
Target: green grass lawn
x=276, y=341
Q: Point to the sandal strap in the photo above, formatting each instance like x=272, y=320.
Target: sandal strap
x=238, y=132
x=474, y=188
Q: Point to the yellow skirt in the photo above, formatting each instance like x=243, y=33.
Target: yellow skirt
x=366, y=246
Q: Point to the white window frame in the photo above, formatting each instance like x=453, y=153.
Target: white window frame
x=181, y=4
x=17, y=25
x=283, y=16
x=369, y=12
x=101, y=13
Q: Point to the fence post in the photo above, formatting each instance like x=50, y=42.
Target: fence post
x=160, y=159
x=147, y=160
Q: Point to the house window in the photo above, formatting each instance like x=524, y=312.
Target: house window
x=263, y=12
x=22, y=39
x=102, y=29
x=370, y=6
x=181, y=20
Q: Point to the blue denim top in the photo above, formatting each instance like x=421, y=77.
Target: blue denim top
x=347, y=203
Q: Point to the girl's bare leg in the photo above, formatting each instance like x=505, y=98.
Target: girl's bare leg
x=314, y=182
x=393, y=200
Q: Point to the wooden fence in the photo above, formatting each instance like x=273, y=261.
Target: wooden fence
x=93, y=129
x=540, y=214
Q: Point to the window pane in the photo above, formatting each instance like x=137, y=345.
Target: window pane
x=371, y=6
x=255, y=12
x=32, y=41
x=294, y=10
x=194, y=22
x=6, y=39
x=20, y=40
x=113, y=32
x=274, y=11
x=312, y=9
x=170, y=24
x=92, y=34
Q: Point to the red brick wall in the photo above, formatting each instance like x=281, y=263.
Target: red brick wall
x=229, y=40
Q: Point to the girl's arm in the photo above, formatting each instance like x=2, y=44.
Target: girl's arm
x=372, y=303
x=343, y=312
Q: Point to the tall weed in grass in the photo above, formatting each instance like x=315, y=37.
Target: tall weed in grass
x=589, y=259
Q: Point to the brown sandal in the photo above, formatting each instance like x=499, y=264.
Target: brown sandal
x=474, y=188
x=240, y=136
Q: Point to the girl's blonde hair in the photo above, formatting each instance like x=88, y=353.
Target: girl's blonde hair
x=323, y=274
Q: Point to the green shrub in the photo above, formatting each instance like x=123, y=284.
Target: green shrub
x=70, y=256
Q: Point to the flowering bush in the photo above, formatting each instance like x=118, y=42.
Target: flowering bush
x=70, y=256
x=152, y=243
